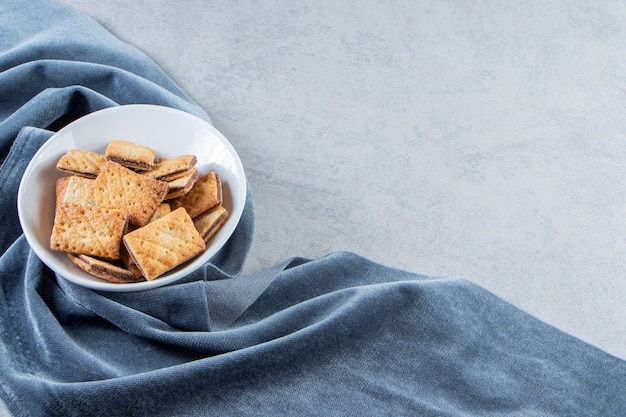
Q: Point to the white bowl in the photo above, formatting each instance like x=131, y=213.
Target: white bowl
x=169, y=132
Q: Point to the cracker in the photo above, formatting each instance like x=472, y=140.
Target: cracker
x=60, y=186
x=164, y=244
x=182, y=185
x=88, y=230
x=205, y=194
x=129, y=262
x=161, y=211
x=166, y=169
x=176, y=175
x=82, y=163
x=119, y=187
x=74, y=189
x=130, y=154
x=105, y=270
x=209, y=222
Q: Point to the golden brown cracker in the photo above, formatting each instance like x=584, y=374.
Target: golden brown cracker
x=82, y=163
x=167, y=169
x=119, y=187
x=88, y=230
x=164, y=244
x=161, y=211
x=76, y=189
x=205, y=194
x=129, y=262
x=209, y=222
x=130, y=154
x=105, y=270
x=60, y=186
x=182, y=185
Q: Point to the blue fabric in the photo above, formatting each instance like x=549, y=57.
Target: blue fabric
x=339, y=335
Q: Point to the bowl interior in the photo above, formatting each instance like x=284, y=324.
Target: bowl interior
x=169, y=132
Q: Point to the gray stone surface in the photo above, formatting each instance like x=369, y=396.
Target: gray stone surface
x=481, y=140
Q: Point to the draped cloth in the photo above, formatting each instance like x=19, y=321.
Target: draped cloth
x=339, y=335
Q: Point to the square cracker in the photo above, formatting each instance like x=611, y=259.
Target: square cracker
x=169, y=169
x=130, y=154
x=164, y=244
x=161, y=211
x=88, y=230
x=105, y=270
x=209, y=222
x=72, y=189
x=82, y=163
x=119, y=187
x=205, y=194
x=182, y=185
x=60, y=186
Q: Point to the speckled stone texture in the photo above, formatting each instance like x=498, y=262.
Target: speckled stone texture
x=475, y=139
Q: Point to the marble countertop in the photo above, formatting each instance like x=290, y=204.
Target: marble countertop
x=480, y=140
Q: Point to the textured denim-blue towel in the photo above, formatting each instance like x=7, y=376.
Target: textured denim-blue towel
x=334, y=336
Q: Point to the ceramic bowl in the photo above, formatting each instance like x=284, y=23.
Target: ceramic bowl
x=169, y=132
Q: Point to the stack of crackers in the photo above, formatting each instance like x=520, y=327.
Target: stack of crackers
x=128, y=216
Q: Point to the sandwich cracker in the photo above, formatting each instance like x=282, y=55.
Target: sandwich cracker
x=105, y=270
x=73, y=189
x=161, y=211
x=182, y=185
x=119, y=187
x=130, y=154
x=205, y=194
x=164, y=244
x=167, y=169
x=88, y=230
x=209, y=222
x=82, y=163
